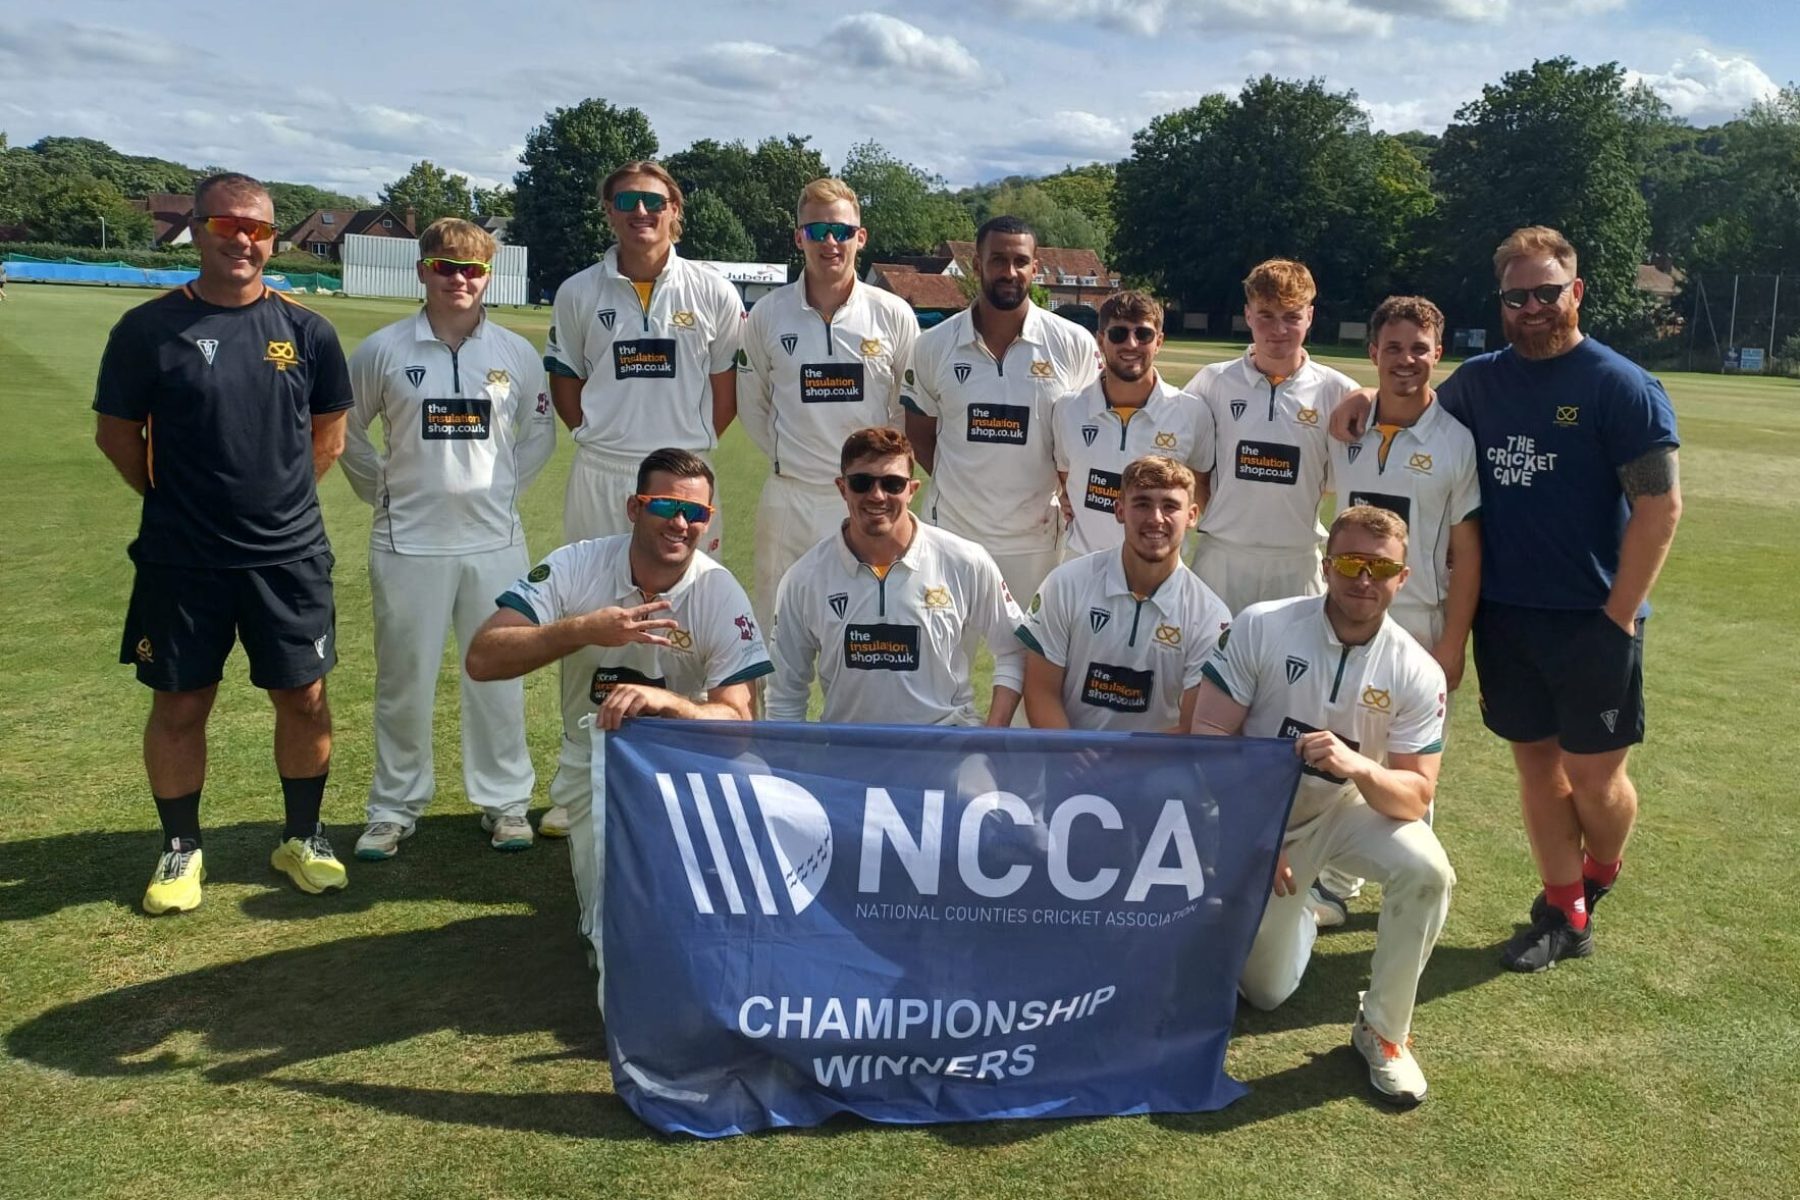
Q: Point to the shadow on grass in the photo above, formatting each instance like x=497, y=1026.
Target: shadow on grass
x=448, y=858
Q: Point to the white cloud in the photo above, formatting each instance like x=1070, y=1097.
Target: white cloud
x=1311, y=18
x=750, y=65
x=1706, y=88
x=875, y=41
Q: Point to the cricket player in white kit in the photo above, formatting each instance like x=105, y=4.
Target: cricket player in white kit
x=1128, y=412
x=1117, y=638
x=642, y=354
x=1419, y=462
x=644, y=624
x=888, y=609
x=1260, y=536
x=823, y=357
x=466, y=426
x=979, y=405
x=1364, y=703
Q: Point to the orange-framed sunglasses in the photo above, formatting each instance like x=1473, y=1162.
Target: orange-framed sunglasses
x=228, y=227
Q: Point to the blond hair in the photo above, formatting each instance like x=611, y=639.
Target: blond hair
x=1283, y=281
x=1382, y=522
x=656, y=171
x=1533, y=241
x=453, y=237
x=828, y=190
x=1156, y=471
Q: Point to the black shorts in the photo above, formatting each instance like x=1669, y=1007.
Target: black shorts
x=1571, y=675
x=183, y=620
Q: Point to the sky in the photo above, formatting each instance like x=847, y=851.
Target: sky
x=349, y=95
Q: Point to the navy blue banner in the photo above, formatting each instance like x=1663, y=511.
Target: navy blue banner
x=928, y=924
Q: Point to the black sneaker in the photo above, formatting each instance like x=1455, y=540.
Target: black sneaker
x=1546, y=942
x=1596, y=892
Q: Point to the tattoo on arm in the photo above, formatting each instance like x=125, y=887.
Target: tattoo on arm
x=1654, y=474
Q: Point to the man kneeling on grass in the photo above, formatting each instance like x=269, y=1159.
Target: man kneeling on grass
x=1364, y=703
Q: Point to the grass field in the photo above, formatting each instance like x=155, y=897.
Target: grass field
x=431, y=1031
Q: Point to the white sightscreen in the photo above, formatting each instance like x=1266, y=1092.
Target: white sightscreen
x=380, y=266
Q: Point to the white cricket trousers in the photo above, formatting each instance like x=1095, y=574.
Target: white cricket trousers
x=791, y=518
x=1246, y=575
x=419, y=599
x=1404, y=857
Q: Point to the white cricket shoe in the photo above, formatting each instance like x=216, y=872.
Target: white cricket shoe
x=381, y=840
x=510, y=831
x=1393, y=1071
x=555, y=822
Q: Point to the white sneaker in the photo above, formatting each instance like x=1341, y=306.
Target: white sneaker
x=510, y=832
x=1327, y=906
x=381, y=840
x=555, y=822
x=1393, y=1071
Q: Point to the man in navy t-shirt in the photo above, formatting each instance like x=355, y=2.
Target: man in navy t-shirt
x=1580, y=497
x=221, y=403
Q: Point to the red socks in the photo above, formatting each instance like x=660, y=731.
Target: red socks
x=1572, y=899
x=1601, y=873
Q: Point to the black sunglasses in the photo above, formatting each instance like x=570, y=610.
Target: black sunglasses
x=1545, y=294
x=1116, y=334
x=893, y=485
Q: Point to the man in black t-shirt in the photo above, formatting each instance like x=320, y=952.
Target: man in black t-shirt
x=222, y=403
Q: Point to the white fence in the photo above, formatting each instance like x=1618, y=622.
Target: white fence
x=379, y=266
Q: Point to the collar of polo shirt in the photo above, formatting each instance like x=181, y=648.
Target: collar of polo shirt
x=422, y=327
x=1115, y=576
x=1032, y=332
x=624, y=588
x=609, y=264
x=914, y=550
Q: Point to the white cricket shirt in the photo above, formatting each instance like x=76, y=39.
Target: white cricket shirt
x=806, y=384
x=465, y=431
x=1267, y=451
x=1126, y=660
x=896, y=650
x=995, y=476
x=1425, y=472
x=647, y=369
x=715, y=642
x=1092, y=443
x=1283, y=661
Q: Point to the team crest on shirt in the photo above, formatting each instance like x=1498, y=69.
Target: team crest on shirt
x=282, y=354
x=208, y=348
x=1037, y=602
x=682, y=319
x=839, y=602
x=681, y=639
x=144, y=653
x=1089, y=433
x=1098, y=619
x=789, y=341
x=1610, y=719
x=1307, y=416
x=1041, y=369
x=742, y=360
x=937, y=597
x=543, y=403
x=319, y=645
x=746, y=628
x=1165, y=441
x=1567, y=415
x=1354, y=450
x=415, y=376
x=500, y=377
x=538, y=573
x=871, y=347
x=1420, y=463
x=1238, y=408
x=961, y=371
x=1168, y=635
x=606, y=317
x=1296, y=667
x=1377, y=699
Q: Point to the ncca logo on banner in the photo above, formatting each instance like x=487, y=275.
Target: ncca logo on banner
x=800, y=850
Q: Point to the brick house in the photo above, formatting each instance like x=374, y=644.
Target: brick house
x=323, y=230
x=933, y=296
x=1071, y=276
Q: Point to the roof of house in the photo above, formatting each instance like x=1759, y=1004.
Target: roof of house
x=922, y=291
x=169, y=213
x=314, y=228
x=1056, y=261
x=1653, y=279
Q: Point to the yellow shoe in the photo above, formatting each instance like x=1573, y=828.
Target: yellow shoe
x=310, y=863
x=175, y=887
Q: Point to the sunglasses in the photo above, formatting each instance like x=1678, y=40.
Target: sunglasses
x=628, y=201
x=893, y=485
x=1545, y=294
x=670, y=507
x=818, y=231
x=226, y=227
x=1350, y=566
x=1118, y=334
x=457, y=266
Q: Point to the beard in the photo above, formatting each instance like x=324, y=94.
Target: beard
x=1125, y=373
x=1548, y=342
x=1005, y=296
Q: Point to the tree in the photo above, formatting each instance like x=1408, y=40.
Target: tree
x=710, y=230
x=556, y=207
x=759, y=186
x=81, y=210
x=906, y=210
x=1286, y=169
x=1089, y=191
x=1559, y=145
x=428, y=192
x=1055, y=224
x=494, y=202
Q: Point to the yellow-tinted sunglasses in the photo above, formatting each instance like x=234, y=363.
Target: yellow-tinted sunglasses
x=1352, y=565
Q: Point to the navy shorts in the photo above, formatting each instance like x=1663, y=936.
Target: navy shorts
x=183, y=621
x=1572, y=675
